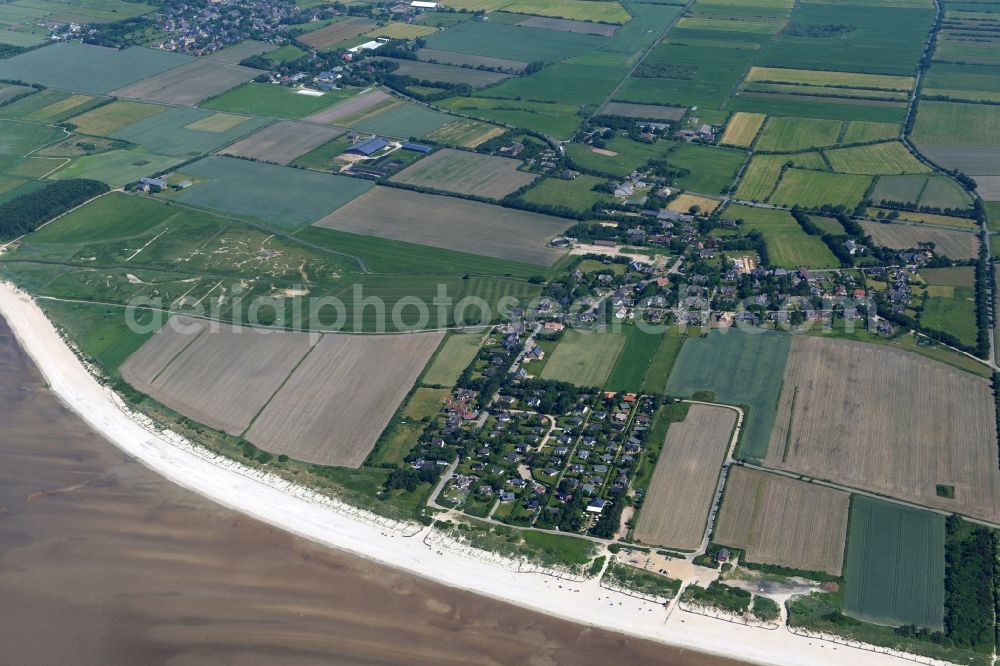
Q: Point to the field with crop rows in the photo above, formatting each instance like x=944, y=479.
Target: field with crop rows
x=952, y=244
x=889, y=158
x=336, y=32
x=783, y=521
x=887, y=421
x=466, y=173
x=188, y=84
x=676, y=505
x=282, y=142
x=895, y=566
x=742, y=129
x=337, y=423
x=813, y=189
x=742, y=369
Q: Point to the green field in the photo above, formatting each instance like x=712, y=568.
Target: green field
x=629, y=155
x=658, y=370
x=265, y=99
x=862, y=132
x=576, y=194
x=585, y=358
x=788, y=246
x=511, y=42
x=404, y=121
x=452, y=358
x=565, y=83
x=894, y=569
x=713, y=170
x=171, y=132
x=761, y=175
x=833, y=108
x=786, y=135
x=557, y=120
x=110, y=118
x=954, y=314
x=890, y=158
x=925, y=190
x=812, y=189
x=88, y=69
x=18, y=139
x=634, y=361
x=274, y=194
x=100, y=330
x=116, y=167
x=946, y=123
x=740, y=368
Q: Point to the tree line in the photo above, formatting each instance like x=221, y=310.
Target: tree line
x=27, y=212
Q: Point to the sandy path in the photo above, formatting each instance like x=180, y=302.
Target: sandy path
x=272, y=501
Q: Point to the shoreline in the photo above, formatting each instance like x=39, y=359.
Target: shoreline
x=298, y=511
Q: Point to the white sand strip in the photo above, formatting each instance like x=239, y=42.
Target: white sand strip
x=278, y=503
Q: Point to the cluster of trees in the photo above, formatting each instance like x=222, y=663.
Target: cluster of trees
x=487, y=386
x=611, y=518
x=936, y=210
x=27, y=212
x=970, y=584
x=407, y=478
x=665, y=71
x=833, y=241
x=828, y=30
x=983, y=277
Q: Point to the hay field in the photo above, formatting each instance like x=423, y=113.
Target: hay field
x=684, y=202
x=108, y=119
x=953, y=244
x=188, y=84
x=451, y=224
x=778, y=520
x=333, y=408
x=465, y=172
x=890, y=158
x=887, y=421
x=336, y=32
x=830, y=78
x=790, y=134
x=675, y=509
x=465, y=133
x=742, y=129
x=219, y=378
x=282, y=142
x=812, y=189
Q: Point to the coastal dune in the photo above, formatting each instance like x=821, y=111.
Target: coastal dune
x=271, y=501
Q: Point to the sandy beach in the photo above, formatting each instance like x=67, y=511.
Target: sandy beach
x=404, y=547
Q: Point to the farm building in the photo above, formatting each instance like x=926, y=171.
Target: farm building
x=368, y=147
x=418, y=147
x=418, y=4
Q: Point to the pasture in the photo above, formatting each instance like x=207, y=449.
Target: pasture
x=923, y=190
x=117, y=168
x=188, y=84
x=858, y=131
x=557, y=120
x=337, y=423
x=712, y=170
x=83, y=68
x=952, y=124
x=569, y=82
x=174, y=132
x=793, y=134
x=947, y=242
x=577, y=194
x=888, y=421
x=221, y=378
x=451, y=224
x=264, y=99
x=812, y=189
x=620, y=156
x=274, y=194
x=282, y=142
x=761, y=175
x=469, y=60
x=454, y=356
x=335, y=33
x=584, y=358
x=465, y=172
x=783, y=521
x=788, y=246
x=108, y=119
x=676, y=506
x=742, y=129
x=401, y=119
x=426, y=71
x=894, y=573
x=510, y=42
x=634, y=361
x=889, y=158
x=739, y=368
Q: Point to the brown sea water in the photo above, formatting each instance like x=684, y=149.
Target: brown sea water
x=103, y=562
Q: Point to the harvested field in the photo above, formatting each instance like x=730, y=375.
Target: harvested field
x=566, y=25
x=358, y=104
x=189, y=84
x=427, y=71
x=221, y=378
x=947, y=242
x=887, y=421
x=742, y=129
x=467, y=173
x=683, y=203
x=459, y=59
x=336, y=32
x=675, y=509
x=783, y=521
x=644, y=111
x=974, y=160
x=451, y=224
x=333, y=408
x=465, y=133
x=282, y=142
x=988, y=187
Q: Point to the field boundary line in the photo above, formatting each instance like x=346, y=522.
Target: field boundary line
x=284, y=381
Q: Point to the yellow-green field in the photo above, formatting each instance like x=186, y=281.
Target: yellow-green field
x=763, y=172
x=835, y=79
x=217, y=122
x=890, y=158
x=108, y=119
x=742, y=129
x=401, y=31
